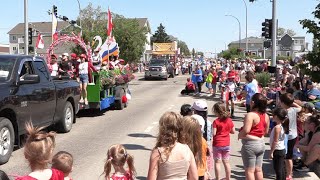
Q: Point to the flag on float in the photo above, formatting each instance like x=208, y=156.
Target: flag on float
x=54, y=27
x=110, y=23
x=40, y=42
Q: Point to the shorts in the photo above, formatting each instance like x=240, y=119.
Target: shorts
x=84, y=78
x=252, y=152
x=209, y=85
x=290, y=146
x=221, y=153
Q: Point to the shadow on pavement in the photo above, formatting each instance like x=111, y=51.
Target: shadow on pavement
x=238, y=174
x=142, y=135
x=141, y=178
x=91, y=113
x=135, y=147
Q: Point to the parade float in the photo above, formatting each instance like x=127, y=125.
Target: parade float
x=109, y=86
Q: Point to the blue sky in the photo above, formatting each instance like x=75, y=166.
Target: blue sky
x=202, y=24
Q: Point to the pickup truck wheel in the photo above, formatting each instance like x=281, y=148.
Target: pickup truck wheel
x=6, y=139
x=65, y=125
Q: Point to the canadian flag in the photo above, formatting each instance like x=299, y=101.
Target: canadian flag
x=40, y=43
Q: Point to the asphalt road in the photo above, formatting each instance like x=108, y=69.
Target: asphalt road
x=135, y=127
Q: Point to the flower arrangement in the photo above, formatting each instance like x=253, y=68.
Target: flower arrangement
x=115, y=77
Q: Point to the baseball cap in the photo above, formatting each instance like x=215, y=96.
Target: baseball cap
x=83, y=56
x=309, y=82
x=65, y=54
x=73, y=55
x=200, y=105
x=200, y=120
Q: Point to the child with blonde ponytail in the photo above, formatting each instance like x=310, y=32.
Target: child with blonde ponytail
x=38, y=151
x=117, y=158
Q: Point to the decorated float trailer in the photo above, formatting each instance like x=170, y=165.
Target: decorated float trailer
x=107, y=87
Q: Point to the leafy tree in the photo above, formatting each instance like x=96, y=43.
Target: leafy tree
x=283, y=31
x=127, y=32
x=160, y=35
x=313, y=57
x=231, y=53
x=183, y=48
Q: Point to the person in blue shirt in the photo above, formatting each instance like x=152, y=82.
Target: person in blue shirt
x=250, y=89
x=198, y=78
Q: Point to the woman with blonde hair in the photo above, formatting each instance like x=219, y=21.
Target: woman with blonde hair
x=169, y=158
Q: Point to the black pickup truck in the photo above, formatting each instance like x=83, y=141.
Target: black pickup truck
x=29, y=93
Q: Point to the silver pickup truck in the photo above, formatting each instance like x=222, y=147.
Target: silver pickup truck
x=157, y=68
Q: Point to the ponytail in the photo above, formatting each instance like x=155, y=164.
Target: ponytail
x=285, y=125
x=107, y=168
x=130, y=163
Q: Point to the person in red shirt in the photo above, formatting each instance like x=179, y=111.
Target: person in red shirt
x=214, y=81
x=222, y=128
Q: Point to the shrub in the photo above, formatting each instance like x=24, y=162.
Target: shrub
x=263, y=78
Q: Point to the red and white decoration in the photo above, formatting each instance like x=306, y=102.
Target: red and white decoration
x=40, y=42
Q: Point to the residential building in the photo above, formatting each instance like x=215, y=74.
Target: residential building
x=4, y=48
x=147, y=53
x=16, y=38
x=286, y=46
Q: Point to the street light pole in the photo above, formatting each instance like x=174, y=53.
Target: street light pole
x=239, y=29
x=274, y=34
x=246, y=25
x=26, y=39
x=80, y=17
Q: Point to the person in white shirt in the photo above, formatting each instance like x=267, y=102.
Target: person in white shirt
x=54, y=66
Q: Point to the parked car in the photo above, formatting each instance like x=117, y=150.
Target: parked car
x=29, y=93
x=157, y=68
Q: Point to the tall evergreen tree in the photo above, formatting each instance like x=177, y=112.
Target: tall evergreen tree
x=160, y=35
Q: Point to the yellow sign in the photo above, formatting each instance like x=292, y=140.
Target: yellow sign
x=164, y=48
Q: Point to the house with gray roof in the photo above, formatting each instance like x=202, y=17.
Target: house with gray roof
x=16, y=37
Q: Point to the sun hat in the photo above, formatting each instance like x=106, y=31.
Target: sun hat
x=200, y=105
x=65, y=54
x=73, y=55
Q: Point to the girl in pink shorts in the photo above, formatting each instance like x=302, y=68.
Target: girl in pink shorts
x=222, y=127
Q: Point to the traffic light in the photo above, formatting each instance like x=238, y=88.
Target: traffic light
x=267, y=28
x=55, y=10
x=65, y=18
x=251, y=0
x=30, y=35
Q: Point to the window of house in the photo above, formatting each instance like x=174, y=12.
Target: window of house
x=301, y=41
x=252, y=45
x=22, y=47
x=296, y=41
x=288, y=53
x=14, y=38
x=22, y=36
x=14, y=48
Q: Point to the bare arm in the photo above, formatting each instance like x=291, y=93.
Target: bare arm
x=266, y=131
x=248, y=121
x=298, y=108
x=314, y=141
x=233, y=130
x=153, y=165
x=214, y=132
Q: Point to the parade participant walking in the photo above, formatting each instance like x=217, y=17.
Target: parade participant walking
x=277, y=137
x=38, y=152
x=231, y=86
x=118, y=157
x=199, y=78
x=287, y=102
x=256, y=125
x=169, y=158
x=84, y=69
x=222, y=128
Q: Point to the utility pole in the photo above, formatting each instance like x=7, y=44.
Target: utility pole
x=26, y=40
x=246, y=25
x=274, y=34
